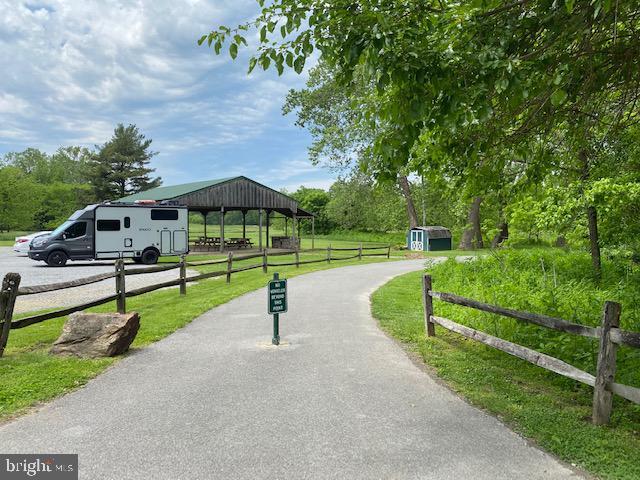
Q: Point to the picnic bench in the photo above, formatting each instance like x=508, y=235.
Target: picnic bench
x=214, y=242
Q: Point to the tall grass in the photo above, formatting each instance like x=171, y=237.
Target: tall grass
x=548, y=281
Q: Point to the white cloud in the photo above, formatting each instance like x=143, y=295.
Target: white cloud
x=76, y=68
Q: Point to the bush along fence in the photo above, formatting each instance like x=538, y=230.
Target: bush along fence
x=609, y=335
x=11, y=283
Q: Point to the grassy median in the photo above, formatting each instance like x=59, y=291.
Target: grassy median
x=29, y=375
x=549, y=409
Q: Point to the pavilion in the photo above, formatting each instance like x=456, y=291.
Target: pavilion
x=231, y=194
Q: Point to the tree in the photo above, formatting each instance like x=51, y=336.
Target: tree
x=18, y=199
x=120, y=167
x=475, y=76
x=315, y=200
x=342, y=139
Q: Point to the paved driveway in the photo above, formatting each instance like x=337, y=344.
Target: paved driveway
x=338, y=400
x=38, y=273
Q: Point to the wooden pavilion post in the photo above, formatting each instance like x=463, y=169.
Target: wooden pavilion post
x=221, y=229
x=268, y=218
x=260, y=229
x=244, y=224
x=313, y=232
x=204, y=215
x=286, y=226
x=299, y=235
x=293, y=230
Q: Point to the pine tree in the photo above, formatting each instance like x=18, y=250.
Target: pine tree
x=120, y=166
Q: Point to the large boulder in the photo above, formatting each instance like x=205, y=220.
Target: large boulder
x=97, y=334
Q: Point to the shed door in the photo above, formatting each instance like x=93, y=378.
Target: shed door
x=165, y=242
x=417, y=240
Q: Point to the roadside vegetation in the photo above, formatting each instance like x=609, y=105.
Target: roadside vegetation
x=29, y=375
x=553, y=411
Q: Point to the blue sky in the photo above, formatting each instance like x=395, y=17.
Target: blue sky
x=73, y=69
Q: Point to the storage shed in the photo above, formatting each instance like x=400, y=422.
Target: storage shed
x=429, y=239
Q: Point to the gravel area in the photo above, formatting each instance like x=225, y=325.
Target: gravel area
x=38, y=273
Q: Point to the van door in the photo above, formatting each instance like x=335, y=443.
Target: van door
x=180, y=242
x=165, y=242
x=78, y=240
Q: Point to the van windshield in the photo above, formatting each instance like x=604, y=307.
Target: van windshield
x=71, y=229
x=61, y=228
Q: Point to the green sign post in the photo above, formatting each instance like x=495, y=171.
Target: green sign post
x=277, y=303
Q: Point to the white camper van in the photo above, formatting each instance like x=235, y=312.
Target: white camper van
x=142, y=232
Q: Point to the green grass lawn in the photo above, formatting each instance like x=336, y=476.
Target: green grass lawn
x=29, y=375
x=547, y=408
x=7, y=239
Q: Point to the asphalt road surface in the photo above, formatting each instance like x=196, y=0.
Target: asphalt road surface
x=338, y=400
x=38, y=273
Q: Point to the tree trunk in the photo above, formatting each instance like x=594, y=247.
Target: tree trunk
x=473, y=228
x=592, y=221
x=403, y=181
x=501, y=236
x=594, y=241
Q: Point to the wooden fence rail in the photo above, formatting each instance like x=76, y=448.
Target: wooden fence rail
x=11, y=284
x=608, y=334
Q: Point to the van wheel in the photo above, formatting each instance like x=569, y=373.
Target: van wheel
x=57, y=258
x=150, y=257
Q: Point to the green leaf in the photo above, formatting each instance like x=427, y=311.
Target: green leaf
x=289, y=59
x=233, y=50
x=558, y=97
x=569, y=5
x=263, y=34
x=217, y=47
x=202, y=39
x=298, y=65
x=252, y=64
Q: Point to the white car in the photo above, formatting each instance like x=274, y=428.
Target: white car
x=22, y=243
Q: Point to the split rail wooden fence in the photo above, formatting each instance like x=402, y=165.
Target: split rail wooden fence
x=608, y=333
x=11, y=283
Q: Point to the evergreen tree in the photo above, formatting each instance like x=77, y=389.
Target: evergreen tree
x=120, y=167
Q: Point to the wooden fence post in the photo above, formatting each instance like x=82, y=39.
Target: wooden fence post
x=427, y=303
x=389, y=251
x=121, y=301
x=8, y=295
x=230, y=266
x=297, y=254
x=264, y=261
x=183, y=275
x=329, y=254
x=606, y=369
x=360, y=252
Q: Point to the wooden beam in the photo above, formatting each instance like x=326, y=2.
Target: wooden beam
x=260, y=229
x=313, y=232
x=542, y=320
x=222, y=212
x=606, y=368
x=244, y=224
x=268, y=218
x=204, y=214
x=427, y=303
x=625, y=391
x=8, y=294
x=59, y=286
x=540, y=359
x=25, y=322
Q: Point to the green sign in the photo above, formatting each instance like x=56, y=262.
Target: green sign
x=277, y=296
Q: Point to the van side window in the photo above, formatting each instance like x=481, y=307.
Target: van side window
x=158, y=214
x=127, y=222
x=76, y=230
x=108, y=225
